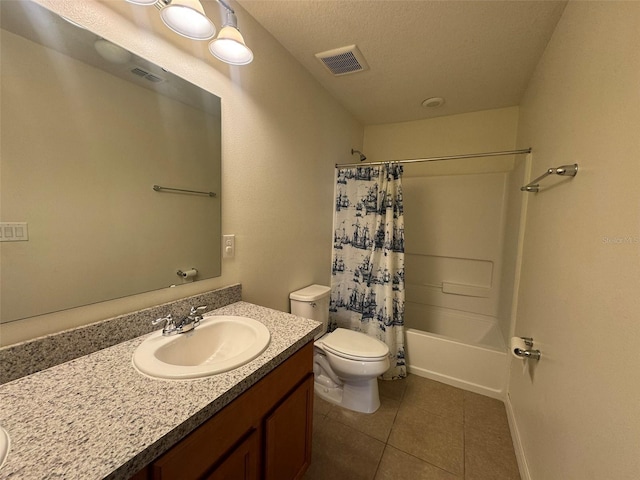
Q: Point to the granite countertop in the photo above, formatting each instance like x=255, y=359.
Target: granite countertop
x=97, y=417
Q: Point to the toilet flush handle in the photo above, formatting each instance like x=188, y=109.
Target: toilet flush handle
x=313, y=304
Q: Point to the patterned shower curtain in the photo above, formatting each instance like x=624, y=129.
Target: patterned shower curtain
x=367, y=285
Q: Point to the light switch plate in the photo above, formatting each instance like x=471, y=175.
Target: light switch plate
x=14, y=232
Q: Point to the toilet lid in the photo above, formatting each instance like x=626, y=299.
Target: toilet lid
x=355, y=345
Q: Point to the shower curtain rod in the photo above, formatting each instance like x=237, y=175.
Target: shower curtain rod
x=437, y=159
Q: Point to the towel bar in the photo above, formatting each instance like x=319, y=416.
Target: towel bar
x=564, y=170
x=158, y=188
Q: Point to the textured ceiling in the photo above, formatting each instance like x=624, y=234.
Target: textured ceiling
x=478, y=55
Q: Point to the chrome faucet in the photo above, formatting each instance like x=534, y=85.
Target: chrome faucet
x=169, y=327
x=188, y=323
x=192, y=320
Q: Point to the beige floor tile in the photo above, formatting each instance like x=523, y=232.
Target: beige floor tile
x=433, y=431
x=377, y=425
x=489, y=456
x=318, y=419
x=396, y=465
x=340, y=452
x=432, y=438
x=435, y=397
x=392, y=388
x=485, y=413
x=321, y=406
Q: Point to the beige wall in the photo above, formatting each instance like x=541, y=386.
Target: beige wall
x=578, y=410
x=485, y=131
x=282, y=134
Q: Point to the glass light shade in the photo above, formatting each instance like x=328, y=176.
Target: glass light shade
x=187, y=18
x=142, y=2
x=230, y=48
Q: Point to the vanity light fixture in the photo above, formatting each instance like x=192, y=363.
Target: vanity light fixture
x=229, y=46
x=187, y=18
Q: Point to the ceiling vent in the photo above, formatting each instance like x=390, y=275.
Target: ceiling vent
x=342, y=61
x=149, y=76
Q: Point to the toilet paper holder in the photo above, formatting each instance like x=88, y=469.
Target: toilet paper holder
x=529, y=352
x=187, y=274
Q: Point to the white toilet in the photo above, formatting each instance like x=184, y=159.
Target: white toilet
x=346, y=364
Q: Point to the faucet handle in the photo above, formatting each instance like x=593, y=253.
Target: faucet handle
x=194, y=314
x=169, y=327
x=168, y=319
x=195, y=310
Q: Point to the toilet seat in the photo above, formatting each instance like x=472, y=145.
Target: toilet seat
x=354, y=346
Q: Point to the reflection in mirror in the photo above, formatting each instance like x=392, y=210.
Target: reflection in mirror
x=87, y=130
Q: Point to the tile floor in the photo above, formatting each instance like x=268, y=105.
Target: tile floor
x=423, y=430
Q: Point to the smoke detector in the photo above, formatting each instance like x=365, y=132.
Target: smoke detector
x=344, y=60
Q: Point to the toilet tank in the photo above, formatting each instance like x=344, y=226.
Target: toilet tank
x=312, y=302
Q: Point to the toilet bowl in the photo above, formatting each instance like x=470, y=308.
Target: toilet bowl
x=346, y=364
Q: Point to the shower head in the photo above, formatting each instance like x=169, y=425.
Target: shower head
x=362, y=157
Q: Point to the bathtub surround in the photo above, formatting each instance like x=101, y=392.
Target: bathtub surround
x=367, y=283
x=28, y=357
x=455, y=215
x=459, y=271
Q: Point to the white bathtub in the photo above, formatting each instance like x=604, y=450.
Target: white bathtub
x=462, y=349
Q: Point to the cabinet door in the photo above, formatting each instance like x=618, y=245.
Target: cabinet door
x=241, y=464
x=205, y=449
x=288, y=435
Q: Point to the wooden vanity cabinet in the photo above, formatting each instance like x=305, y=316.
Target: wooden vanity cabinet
x=263, y=434
x=287, y=433
x=242, y=463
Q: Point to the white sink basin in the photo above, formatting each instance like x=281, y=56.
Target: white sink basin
x=4, y=445
x=218, y=344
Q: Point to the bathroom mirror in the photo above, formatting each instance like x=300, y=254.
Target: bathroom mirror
x=87, y=130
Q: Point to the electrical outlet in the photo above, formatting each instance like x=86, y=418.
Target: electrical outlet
x=228, y=246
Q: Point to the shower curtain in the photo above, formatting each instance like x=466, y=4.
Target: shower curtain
x=367, y=283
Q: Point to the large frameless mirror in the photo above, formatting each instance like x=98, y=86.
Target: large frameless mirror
x=87, y=130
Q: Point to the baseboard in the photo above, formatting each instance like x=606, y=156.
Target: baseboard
x=515, y=438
